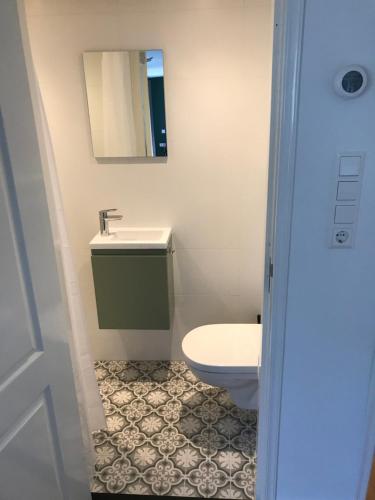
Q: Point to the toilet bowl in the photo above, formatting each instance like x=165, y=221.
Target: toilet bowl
x=228, y=356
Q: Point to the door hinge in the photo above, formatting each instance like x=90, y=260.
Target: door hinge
x=270, y=274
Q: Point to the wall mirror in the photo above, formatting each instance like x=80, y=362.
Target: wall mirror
x=125, y=94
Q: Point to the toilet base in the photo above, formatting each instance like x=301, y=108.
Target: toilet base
x=246, y=397
x=243, y=390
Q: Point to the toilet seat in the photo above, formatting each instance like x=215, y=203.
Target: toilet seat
x=224, y=348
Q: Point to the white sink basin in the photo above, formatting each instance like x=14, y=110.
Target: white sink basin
x=133, y=238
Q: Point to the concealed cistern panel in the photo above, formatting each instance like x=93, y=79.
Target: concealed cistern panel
x=347, y=192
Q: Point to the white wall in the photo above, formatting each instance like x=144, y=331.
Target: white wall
x=212, y=190
x=330, y=340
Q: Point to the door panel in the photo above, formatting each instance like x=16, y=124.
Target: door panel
x=21, y=337
x=29, y=448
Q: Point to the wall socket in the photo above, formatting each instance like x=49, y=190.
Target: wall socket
x=342, y=237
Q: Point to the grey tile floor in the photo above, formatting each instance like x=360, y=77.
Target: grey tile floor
x=170, y=434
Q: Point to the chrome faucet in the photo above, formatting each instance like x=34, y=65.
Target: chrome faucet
x=104, y=219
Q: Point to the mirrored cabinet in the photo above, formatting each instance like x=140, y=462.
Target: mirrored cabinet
x=125, y=95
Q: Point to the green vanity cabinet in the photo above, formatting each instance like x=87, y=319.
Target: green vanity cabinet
x=133, y=288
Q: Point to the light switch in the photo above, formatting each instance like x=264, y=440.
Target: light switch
x=347, y=190
x=350, y=166
x=345, y=214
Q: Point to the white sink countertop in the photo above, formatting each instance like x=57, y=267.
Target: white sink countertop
x=133, y=238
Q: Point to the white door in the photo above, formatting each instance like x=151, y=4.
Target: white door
x=41, y=453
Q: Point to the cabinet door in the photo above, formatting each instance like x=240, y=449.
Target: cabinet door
x=131, y=291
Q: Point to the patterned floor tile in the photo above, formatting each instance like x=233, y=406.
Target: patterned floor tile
x=208, y=479
x=163, y=476
x=245, y=442
x=106, y=454
x=168, y=433
x=190, y=425
x=144, y=456
x=139, y=487
x=158, y=397
x=119, y=475
x=229, y=426
x=115, y=422
x=97, y=486
x=183, y=490
x=127, y=439
x=233, y=493
x=244, y=480
x=152, y=424
x=187, y=458
x=230, y=460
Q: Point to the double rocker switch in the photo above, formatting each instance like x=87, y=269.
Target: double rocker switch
x=345, y=214
x=350, y=166
x=348, y=190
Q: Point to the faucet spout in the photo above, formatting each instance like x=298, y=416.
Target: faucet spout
x=104, y=219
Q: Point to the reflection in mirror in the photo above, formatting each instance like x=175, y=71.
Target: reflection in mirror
x=125, y=93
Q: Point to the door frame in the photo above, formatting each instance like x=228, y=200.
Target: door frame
x=287, y=53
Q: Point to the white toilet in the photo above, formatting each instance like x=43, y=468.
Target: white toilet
x=228, y=356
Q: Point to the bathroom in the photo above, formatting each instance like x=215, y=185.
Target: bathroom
x=167, y=409
x=210, y=190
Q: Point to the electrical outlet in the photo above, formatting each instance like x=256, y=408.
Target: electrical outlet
x=342, y=237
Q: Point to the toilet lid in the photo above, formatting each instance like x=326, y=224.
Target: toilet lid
x=232, y=348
